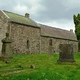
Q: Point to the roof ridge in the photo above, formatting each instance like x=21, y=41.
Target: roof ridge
x=13, y=13
x=54, y=27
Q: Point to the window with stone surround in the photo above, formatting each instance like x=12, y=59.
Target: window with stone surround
x=27, y=44
x=50, y=42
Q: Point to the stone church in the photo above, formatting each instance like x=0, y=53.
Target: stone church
x=30, y=37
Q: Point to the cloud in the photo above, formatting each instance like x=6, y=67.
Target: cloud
x=63, y=24
x=20, y=8
x=56, y=9
x=71, y=4
x=7, y=5
x=30, y=6
x=58, y=13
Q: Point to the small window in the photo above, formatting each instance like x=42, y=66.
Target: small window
x=27, y=44
x=50, y=42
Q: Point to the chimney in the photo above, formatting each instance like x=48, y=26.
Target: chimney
x=71, y=30
x=27, y=15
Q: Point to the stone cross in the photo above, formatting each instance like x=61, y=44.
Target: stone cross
x=66, y=53
x=6, y=47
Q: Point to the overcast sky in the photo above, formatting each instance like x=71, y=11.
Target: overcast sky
x=56, y=13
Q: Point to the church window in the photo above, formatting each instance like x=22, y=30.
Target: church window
x=50, y=42
x=27, y=44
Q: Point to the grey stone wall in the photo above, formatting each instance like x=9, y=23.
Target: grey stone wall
x=26, y=39
x=44, y=44
x=55, y=44
x=3, y=28
x=75, y=45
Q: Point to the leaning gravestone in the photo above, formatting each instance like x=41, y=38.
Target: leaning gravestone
x=66, y=53
x=6, y=47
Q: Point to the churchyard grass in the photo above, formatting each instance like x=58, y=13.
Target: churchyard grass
x=46, y=68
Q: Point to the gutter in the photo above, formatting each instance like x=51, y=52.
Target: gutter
x=24, y=24
x=58, y=38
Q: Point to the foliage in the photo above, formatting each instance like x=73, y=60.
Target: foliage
x=77, y=27
x=46, y=68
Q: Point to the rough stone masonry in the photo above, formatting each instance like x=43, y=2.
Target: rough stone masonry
x=6, y=47
x=66, y=53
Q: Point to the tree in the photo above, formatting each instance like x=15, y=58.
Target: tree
x=77, y=28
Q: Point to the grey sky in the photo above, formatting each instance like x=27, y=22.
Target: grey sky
x=56, y=13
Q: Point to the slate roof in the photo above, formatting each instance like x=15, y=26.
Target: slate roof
x=46, y=31
x=57, y=33
x=20, y=19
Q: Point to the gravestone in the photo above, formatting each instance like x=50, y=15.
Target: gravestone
x=66, y=53
x=51, y=50
x=6, y=47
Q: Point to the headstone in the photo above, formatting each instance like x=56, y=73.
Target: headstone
x=6, y=47
x=66, y=53
x=51, y=50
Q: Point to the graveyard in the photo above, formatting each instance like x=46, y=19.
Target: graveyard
x=44, y=67
x=64, y=65
x=31, y=51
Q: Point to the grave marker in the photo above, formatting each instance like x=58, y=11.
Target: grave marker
x=6, y=47
x=66, y=53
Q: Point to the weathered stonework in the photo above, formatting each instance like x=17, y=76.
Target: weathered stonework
x=66, y=53
x=21, y=34
x=3, y=28
x=55, y=44
x=27, y=36
x=6, y=47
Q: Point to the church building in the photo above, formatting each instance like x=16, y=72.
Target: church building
x=30, y=37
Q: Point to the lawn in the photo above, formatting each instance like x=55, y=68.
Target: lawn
x=46, y=68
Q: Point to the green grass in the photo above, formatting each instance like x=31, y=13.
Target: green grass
x=46, y=68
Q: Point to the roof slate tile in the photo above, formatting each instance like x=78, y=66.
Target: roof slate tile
x=20, y=19
x=57, y=32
